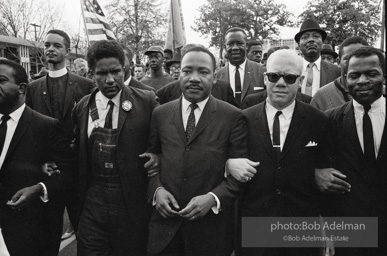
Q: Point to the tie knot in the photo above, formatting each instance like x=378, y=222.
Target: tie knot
x=193, y=106
x=111, y=103
x=310, y=65
x=278, y=114
x=366, y=108
x=5, y=118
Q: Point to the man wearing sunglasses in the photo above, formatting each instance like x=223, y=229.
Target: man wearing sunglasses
x=287, y=138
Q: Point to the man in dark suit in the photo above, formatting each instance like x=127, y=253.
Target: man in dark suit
x=194, y=136
x=128, y=79
x=358, y=182
x=317, y=72
x=242, y=73
x=112, y=129
x=55, y=95
x=287, y=138
x=220, y=90
x=27, y=141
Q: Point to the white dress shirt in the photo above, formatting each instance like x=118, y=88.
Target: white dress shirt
x=284, y=120
x=186, y=110
x=377, y=114
x=11, y=128
x=231, y=74
x=57, y=73
x=127, y=81
x=103, y=106
x=316, y=75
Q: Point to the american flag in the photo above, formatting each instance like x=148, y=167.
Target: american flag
x=96, y=23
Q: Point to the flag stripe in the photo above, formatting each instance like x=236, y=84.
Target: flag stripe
x=97, y=25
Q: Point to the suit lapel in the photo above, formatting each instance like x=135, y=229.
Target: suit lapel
x=247, y=79
x=295, y=129
x=382, y=148
x=122, y=115
x=206, y=118
x=323, y=73
x=21, y=128
x=262, y=130
x=349, y=123
x=70, y=90
x=44, y=91
x=178, y=120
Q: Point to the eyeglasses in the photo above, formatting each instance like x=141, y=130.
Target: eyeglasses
x=289, y=78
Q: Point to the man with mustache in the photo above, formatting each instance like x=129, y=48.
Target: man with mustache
x=317, y=72
x=194, y=136
x=243, y=74
x=55, y=95
x=158, y=78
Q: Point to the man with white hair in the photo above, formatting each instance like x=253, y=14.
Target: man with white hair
x=81, y=67
x=287, y=138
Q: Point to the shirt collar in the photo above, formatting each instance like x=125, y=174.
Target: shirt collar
x=15, y=115
x=286, y=112
x=317, y=63
x=105, y=101
x=241, y=66
x=57, y=73
x=185, y=104
x=128, y=81
x=374, y=106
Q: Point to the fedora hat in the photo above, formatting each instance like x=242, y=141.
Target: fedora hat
x=309, y=25
x=176, y=59
x=153, y=49
x=327, y=49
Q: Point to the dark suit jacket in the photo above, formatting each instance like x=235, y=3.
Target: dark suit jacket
x=37, y=140
x=253, y=77
x=220, y=90
x=368, y=196
x=259, y=97
x=137, y=84
x=285, y=187
x=194, y=168
x=133, y=133
x=328, y=73
x=39, y=100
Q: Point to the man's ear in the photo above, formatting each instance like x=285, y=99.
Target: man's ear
x=23, y=88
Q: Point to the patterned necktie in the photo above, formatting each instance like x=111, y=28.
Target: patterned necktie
x=368, y=136
x=238, y=86
x=3, y=130
x=276, y=133
x=109, y=116
x=309, y=80
x=191, y=122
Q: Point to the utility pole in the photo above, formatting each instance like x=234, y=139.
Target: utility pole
x=36, y=48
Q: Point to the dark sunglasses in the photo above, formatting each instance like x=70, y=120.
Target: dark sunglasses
x=289, y=78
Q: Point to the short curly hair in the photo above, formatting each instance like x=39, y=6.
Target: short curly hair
x=104, y=49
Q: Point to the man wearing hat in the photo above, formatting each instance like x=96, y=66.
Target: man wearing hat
x=328, y=54
x=158, y=78
x=317, y=73
x=174, y=66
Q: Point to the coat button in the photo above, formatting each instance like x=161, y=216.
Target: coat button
x=278, y=192
x=185, y=178
x=279, y=167
x=187, y=149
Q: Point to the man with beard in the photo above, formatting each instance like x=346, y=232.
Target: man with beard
x=158, y=78
x=317, y=72
x=55, y=95
x=243, y=74
x=254, y=51
x=336, y=92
